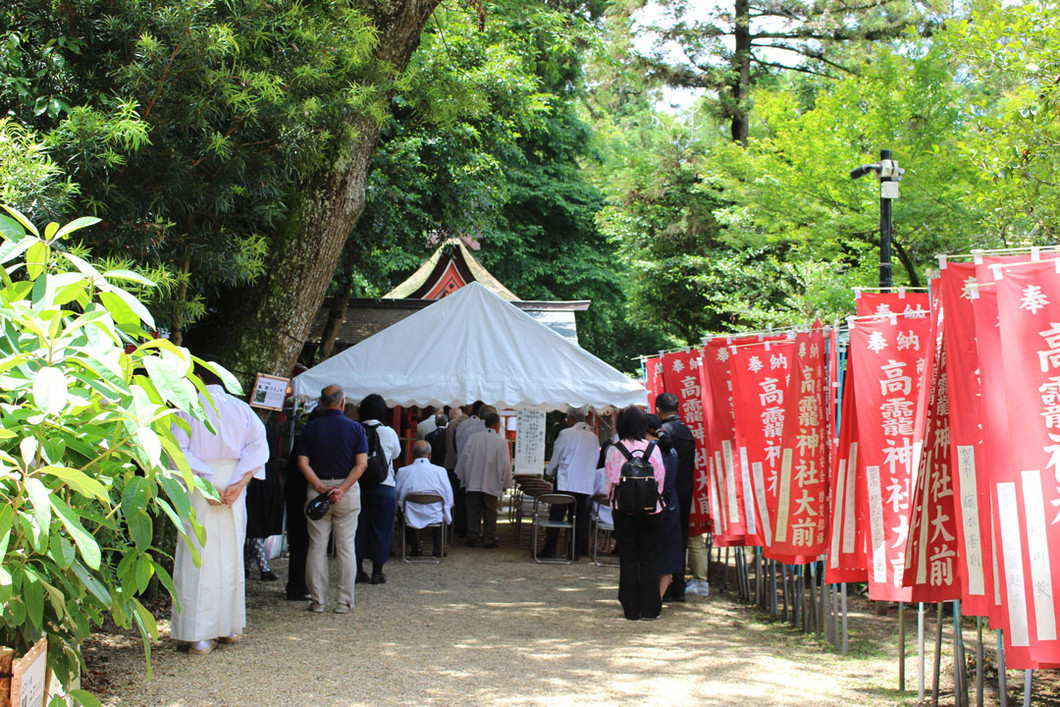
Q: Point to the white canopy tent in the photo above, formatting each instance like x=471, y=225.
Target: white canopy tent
x=473, y=345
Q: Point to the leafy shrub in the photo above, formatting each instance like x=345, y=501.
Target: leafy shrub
x=87, y=401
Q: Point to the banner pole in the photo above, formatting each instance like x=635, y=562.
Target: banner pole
x=846, y=632
x=836, y=640
x=787, y=589
x=813, y=595
x=979, y=662
x=938, y=659
x=1002, y=676
x=901, y=646
x=959, y=652
x=1027, y=688
x=773, y=595
x=920, y=651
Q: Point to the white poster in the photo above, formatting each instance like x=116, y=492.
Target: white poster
x=530, y=442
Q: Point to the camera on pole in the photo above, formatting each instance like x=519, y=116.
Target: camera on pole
x=889, y=174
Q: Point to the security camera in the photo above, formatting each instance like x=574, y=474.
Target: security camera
x=859, y=172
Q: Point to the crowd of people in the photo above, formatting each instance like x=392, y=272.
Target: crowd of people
x=343, y=492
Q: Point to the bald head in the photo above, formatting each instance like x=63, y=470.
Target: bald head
x=332, y=397
x=421, y=449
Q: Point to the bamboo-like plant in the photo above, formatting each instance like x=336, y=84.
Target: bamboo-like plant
x=88, y=398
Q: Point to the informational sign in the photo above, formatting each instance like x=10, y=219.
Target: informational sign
x=27, y=677
x=530, y=442
x=269, y=392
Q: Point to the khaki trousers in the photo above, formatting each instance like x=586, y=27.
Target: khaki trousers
x=340, y=521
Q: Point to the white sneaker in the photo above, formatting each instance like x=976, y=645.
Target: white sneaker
x=343, y=608
x=316, y=608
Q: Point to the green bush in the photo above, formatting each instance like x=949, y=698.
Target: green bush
x=88, y=398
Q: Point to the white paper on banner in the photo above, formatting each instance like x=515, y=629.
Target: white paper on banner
x=848, y=510
x=784, y=497
x=715, y=511
x=921, y=565
x=837, y=512
x=973, y=546
x=760, y=494
x=1012, y=549
x=879, y=541
x=748, y=495
x=530, y=442
x=1038, y=552
x=730, y=481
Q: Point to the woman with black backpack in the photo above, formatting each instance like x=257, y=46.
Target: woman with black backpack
x=375, y=527
x=635, y=476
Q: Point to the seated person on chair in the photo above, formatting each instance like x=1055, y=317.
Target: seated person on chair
x=423, y=477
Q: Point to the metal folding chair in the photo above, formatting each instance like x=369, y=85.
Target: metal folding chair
x=425, y=499
x=602, y=530
x=544, y=504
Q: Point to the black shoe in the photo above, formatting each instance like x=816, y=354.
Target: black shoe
x=439, y=554
x=678, y=597
x=268, y=576
x=416, y=552
x=295, y=596
x=377, y=578
x=362, y=577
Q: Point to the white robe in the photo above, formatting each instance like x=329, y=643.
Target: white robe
x=211, y=597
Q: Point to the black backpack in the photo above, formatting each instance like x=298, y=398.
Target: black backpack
x=636, y=492
x=376, y=471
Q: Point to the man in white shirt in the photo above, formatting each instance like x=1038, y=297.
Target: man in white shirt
x=484, y=467
x=426, y=425
x=574, y=457
x=211, y=597
x=423, y=477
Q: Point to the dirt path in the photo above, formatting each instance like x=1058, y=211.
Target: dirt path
x=488, y=627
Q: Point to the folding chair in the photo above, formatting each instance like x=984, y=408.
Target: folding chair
x=602, y=528
x=526, y=506
x=545, y=503
x=424, y=499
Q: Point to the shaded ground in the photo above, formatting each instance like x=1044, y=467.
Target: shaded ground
x=491, y=627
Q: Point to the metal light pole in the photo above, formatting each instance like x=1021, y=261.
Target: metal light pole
x=889, y=174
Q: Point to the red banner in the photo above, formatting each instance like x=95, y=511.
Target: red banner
x=681, y=378
x=915, y=305
x=846, y=557
x=957, y=286
x=802, y=488
x=759, y=386
x=730, y=526
x=653, y=379
x=1026, y=491
x=931, y=567
x=888, y=355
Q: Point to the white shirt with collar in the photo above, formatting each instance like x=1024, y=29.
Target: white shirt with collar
x=574, y=457
x=423, y=477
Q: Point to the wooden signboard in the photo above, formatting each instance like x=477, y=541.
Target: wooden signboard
x=269, y=392
x=22, y=680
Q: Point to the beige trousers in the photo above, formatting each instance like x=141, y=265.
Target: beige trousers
x=341, y=520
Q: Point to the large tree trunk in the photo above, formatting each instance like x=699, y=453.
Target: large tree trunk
x=740, y=74
x=262, y=329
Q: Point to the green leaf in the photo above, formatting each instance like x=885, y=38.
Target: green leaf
x=84, y=697
x=93, y=585
x=40, y=499
x=13, y=235
x=33, y=595
x=168, y=376
x=50, y=390
x=6, y=517
x=76, y=224
x=85, y=543
x=78, y=481
x=21, y=218
x=120, y=274
x=230, y=382
x=36, y=259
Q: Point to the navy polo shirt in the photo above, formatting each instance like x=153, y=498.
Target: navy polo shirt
x=332, y=441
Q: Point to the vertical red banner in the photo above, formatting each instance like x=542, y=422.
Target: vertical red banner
x=681, y=377
x=729, y=525
x=932, y=570
x=846, y=559
x=759, y=386
x=802, y=489
x=888, y=354
x=957, y=287
x=653, y=379
x=1026, y=491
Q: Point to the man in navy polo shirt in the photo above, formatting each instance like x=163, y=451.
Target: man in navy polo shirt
x=332, y=455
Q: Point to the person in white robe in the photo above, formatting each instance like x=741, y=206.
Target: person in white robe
x=210, y=604
x=423, y=477
x=484, y=468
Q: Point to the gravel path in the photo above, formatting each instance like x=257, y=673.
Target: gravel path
x=490, y=627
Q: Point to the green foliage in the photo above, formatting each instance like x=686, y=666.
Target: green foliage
x=192, y=128
x=87, y=402
x=30, y=181
x=1007, y=53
